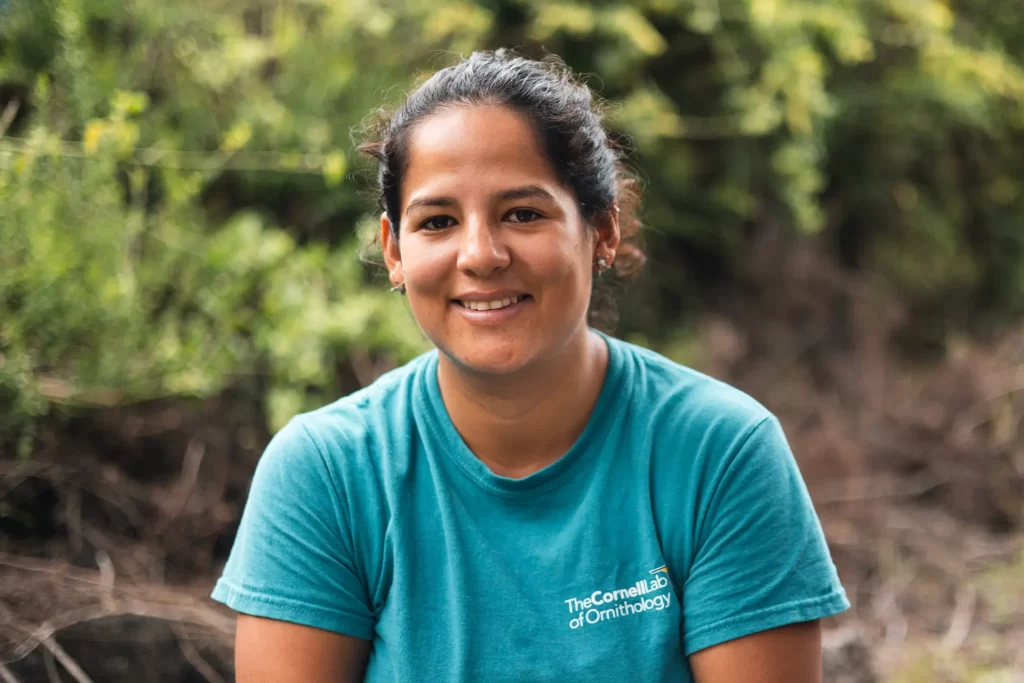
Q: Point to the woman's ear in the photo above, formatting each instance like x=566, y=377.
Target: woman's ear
x=392, y=254
x=606, y=224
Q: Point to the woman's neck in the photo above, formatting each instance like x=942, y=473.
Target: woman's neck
x=519, y=424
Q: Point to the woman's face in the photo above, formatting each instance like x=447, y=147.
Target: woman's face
x=495, y=256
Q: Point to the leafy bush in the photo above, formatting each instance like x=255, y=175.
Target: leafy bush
x=180, y=204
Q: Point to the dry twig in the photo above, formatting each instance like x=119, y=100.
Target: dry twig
x=7, y=118
x=186, y=484
x=204, y=616
x=7, y=675
x=862, y=489
x=195, y=658
x=963, y=616
x=50, y=664
x=70, y=665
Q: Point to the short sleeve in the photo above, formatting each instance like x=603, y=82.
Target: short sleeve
x=761, y=560
x=292, y=559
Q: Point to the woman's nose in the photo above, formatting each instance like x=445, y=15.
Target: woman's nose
x=481, y=249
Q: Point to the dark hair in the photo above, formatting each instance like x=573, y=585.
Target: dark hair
x=567, y=117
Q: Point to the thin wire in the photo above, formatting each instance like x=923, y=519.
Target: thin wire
x=192, y=160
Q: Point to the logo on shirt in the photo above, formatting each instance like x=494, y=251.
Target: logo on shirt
x=603, y=605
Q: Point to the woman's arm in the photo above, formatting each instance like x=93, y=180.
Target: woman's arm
x=295, y=576
x=788, y=654
x=272, y=651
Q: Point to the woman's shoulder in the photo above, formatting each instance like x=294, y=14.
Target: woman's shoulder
x=352, y=427
x=676, y=396
x=384, y=393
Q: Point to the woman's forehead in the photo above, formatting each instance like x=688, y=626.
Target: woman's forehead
x=479, y=148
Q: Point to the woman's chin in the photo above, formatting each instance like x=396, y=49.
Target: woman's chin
x=487, y=359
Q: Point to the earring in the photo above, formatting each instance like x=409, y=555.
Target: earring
x=400, y=288
x=602, y=265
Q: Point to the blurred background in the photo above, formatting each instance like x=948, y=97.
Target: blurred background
x=835, y=202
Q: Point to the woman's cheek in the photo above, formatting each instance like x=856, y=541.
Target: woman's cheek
x=426, y=266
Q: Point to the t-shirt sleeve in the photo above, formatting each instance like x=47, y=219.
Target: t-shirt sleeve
x=293, y=557
x=761, y=560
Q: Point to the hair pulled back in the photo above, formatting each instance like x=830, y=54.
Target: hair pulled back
x=567, y=118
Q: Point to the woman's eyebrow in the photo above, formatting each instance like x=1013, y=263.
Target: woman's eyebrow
x=431, y=201
x=526, y=192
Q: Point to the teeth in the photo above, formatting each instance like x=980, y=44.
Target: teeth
x=490, y=305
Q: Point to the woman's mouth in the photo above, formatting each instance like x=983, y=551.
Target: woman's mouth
x=496, y=304
x=489, y=312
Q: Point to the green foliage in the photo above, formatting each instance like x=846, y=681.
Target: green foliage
x=179, y=194
x=891, y=129
x=129, y=269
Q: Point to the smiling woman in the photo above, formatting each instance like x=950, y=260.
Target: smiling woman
x=485, y=217
x=534, y=500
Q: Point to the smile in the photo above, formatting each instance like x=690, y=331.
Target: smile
x=492, y=305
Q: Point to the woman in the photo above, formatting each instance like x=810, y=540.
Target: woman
x=534, y=500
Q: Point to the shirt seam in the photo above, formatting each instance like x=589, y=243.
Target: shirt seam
x=736, y=453
x=525, y=492
x=569, y=474
x=344, y=504
x=764, y=612
x=327, y=471
x=236, y=591
x=721, y=475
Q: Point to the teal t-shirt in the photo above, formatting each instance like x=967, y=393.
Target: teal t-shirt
x=677, y=521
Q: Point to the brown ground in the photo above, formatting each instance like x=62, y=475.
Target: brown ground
x=917, y=474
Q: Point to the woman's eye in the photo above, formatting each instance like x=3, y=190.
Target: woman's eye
x=437, y=223
x=523, y=215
